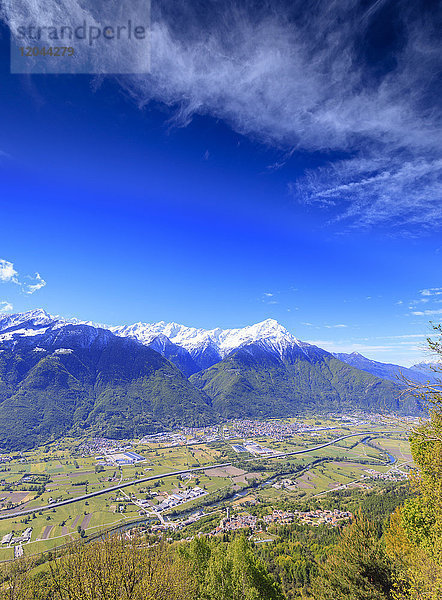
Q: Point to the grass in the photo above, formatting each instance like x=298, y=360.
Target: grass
x=64, y=465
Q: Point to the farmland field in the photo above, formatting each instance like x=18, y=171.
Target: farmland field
x=70, y=468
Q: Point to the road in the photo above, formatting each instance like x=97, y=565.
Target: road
x=174, y=473
x=158, y=515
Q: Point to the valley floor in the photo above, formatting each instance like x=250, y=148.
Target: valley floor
x=268, y=462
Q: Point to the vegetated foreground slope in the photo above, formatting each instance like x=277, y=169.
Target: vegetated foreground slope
x=79, y=378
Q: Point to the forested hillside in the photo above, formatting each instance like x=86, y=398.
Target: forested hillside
x=83, y=379
x=254, y=382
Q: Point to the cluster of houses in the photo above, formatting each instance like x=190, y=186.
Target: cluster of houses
x=202, y=434
x=186, y=435
x=242, y=521
x=323, y=517
x=283, y=484
x=282, y=517
x=391, y=475
x=103, y=445
x=245, y=520
x=277, y=430
x=10, y=540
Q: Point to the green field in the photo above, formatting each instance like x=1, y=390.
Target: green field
x=63, y=470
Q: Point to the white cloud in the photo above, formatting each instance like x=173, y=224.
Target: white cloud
x=405, y=336
x=333, y=346
x=301, y=84
x=337, y=326
x=269, y=298
x=305, y=83
x=7, y=271
x=406, y=349
x=5, y=307
x=28, y=285
x=36, y=283
x=403, y=192
x=432, y=291
x=429, y=312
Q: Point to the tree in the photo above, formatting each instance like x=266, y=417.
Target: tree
x=117, y=568
x=15, y=580
x=414, y=538
x=407, y=564
x=229, y=571
x=357, y=568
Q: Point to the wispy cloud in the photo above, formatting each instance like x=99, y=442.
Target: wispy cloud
x=398, y=349
x=432, y=292
x=405, y=336
x=429, y=312
x=429, y=296
x=269, y=298
x=327, y=326
x=306, y=81
x=305, y=84
x=333, y=346
x=5, y=307
x=35, y=283
x=404, y=193
x=28, y=284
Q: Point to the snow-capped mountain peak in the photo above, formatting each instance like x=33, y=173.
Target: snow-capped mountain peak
x=190, y=348
x=30, y=318
x=222, y=341
x=428, y=361
x=270, y=332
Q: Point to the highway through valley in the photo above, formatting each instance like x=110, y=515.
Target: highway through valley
x=124, y=484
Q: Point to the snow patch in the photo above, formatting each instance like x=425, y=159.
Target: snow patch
x=274, y=336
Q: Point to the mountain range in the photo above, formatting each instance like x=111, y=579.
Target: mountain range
x=61, y=376
x=420, y=373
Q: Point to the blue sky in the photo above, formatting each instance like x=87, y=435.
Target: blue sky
x=273, y=164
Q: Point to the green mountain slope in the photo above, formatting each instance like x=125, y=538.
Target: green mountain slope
x=256, y=383
x=77, y=380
